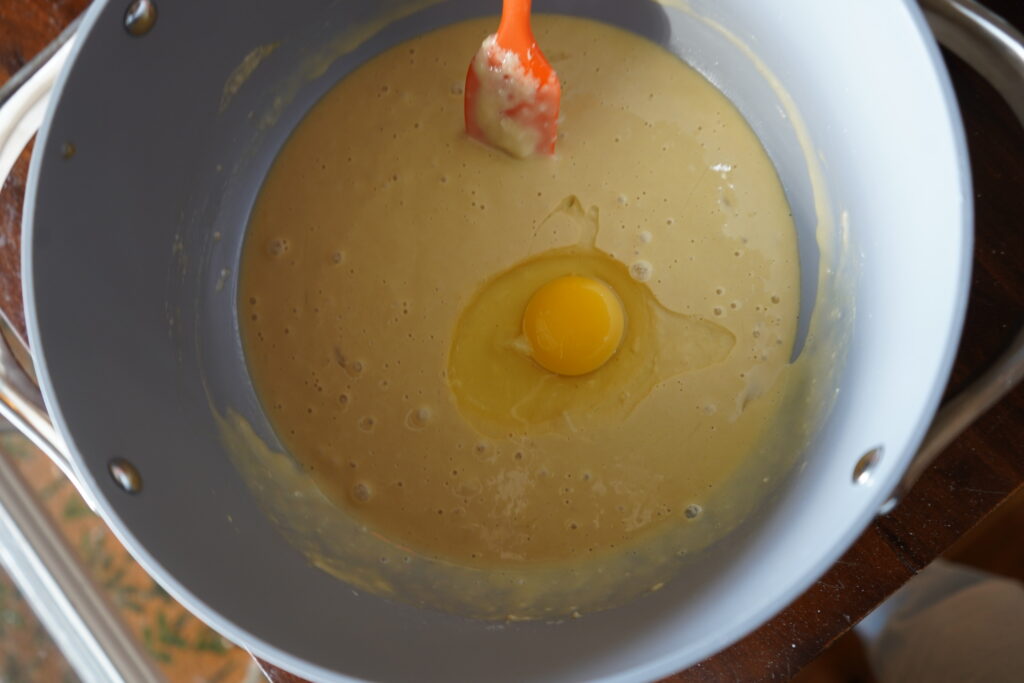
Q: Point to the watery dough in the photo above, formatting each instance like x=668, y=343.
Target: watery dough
x=381, y=220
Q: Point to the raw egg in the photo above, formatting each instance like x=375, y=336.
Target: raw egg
x=568, y=338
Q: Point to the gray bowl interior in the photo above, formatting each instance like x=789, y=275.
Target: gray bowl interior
x=131, y=265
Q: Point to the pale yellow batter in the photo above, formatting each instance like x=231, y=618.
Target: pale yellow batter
x=381, y=224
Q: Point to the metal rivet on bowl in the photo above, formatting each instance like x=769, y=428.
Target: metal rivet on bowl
x=125, y=475
x=140, y=17
x=865, y=467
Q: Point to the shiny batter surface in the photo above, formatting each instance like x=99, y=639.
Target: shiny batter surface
x=381, y=224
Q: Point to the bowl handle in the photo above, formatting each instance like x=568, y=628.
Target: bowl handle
x=23, y=103
x=995, y=50
x=88, y=629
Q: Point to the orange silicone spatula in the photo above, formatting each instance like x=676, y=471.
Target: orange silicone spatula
x=512, y=93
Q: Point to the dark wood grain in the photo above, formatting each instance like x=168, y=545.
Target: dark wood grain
x=971, y=479
x=12, y=193
x=27, y=26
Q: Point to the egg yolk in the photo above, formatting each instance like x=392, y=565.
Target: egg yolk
x=573, y=325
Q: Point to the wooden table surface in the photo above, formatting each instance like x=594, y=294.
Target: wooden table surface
x=973, y=477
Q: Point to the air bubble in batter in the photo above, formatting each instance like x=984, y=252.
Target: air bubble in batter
x=641, y=271
x=362, y=492
x=418, y=418
x=278, y=247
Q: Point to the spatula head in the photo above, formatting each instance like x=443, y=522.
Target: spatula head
x=512, y=99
